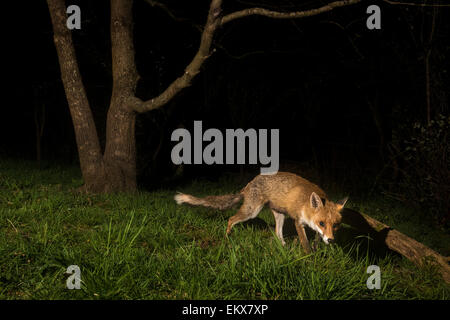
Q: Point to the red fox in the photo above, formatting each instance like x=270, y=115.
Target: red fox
x=284, y=193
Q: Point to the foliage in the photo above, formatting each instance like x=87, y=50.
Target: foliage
x=426, y=176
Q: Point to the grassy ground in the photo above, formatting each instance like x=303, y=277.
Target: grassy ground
x=144, y=246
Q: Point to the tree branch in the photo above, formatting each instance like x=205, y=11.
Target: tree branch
x=193, y=68
x=171, y=15
x=286, y=15
x=416, y=4
x=213, y=22
x=413, y=250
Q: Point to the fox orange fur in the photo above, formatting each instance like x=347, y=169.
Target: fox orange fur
x=286, y=194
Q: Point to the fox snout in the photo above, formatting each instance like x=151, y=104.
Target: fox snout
x=328, y=240
x=327, y=232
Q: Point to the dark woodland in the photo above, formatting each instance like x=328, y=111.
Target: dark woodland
x=363, y=112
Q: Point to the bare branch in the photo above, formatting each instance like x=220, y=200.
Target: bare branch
x=213, y=22
x=286, y=15
x=361, y=56
x=194, y=67
x=171, y=15
x=416, y=4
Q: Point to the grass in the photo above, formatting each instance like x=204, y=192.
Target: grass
x=144, y=246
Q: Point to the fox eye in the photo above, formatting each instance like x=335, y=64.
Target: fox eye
x=335, y=225
x=322, y=224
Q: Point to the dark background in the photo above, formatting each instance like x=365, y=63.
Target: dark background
x=347, y=100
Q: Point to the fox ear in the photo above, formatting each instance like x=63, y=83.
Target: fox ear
x=341, y=203
x=315, y=200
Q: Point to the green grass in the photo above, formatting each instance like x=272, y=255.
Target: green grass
x=144, y=246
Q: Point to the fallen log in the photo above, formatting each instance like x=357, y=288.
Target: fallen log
x=411, y=249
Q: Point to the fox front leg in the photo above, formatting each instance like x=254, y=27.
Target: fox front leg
x=316, y=241
x=302, y=236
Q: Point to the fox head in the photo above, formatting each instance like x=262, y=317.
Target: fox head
x=326, y=218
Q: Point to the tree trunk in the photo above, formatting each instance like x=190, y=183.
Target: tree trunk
x=88, y=145
x=413, y=250
x=120, y=150
x=115, y=170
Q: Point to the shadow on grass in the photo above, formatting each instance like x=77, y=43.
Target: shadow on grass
x=360, y=231
x=355, y=232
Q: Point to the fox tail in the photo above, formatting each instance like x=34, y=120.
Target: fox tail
x=217, y=202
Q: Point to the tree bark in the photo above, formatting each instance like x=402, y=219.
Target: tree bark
x=411, y=249
x=115, y=170
x=120, y=150
x=88, y=145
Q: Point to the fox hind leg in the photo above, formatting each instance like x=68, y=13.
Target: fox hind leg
x=248, y=210
x=279, y=222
